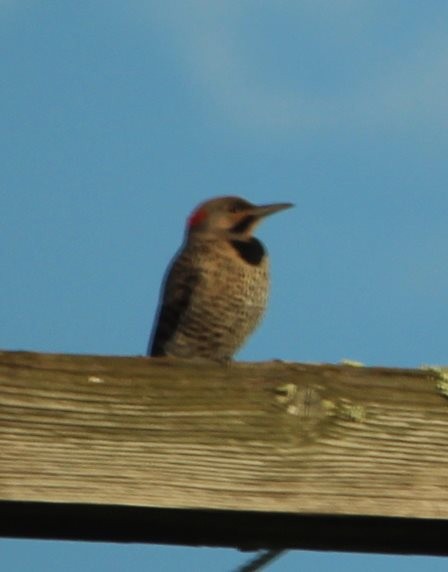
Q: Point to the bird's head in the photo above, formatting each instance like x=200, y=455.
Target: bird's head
x=230, y=217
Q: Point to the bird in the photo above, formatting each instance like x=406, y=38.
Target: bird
x=215, y=289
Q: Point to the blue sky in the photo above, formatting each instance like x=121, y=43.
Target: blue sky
x=117, y=118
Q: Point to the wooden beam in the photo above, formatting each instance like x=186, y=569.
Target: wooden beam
x=339, y=455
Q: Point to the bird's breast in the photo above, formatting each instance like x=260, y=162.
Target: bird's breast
x=226, y=304
x=234, y=290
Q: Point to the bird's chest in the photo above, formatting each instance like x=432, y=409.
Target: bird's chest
x=233, y=286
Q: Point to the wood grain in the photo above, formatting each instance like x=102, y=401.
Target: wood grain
x=270, y=437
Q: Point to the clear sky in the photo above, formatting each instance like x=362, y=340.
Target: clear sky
x=117, y=118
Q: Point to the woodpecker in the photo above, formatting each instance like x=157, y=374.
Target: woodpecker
x=215, y=290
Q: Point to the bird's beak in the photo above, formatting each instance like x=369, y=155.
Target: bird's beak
x=266, y=210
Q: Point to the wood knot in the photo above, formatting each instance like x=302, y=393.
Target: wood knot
x=303, y=402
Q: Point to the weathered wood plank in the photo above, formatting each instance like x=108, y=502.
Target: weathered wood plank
x=272, y=437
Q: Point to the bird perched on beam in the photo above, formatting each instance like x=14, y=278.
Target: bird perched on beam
x=216, y=288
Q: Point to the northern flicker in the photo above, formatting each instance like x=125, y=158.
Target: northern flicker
x=216, y=288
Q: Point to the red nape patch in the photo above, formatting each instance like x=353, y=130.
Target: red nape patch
x=196, y=218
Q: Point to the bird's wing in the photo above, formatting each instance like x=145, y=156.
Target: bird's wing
x=176, y=296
